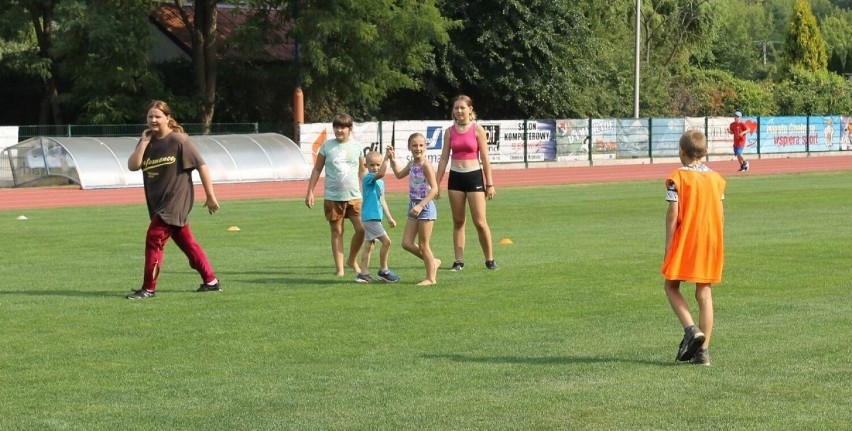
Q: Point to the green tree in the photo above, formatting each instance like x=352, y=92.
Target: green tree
x=803, y=44
x=113, y=91
x=837, y=31
x=699, y=92
x=357, y=52
x=674, y=30
x=202, y=31
x=522, y=59
x=21, y=70
x=809, y=92
x=746, y=44
x=41, y=14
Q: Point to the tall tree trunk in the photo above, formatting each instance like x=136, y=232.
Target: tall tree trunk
x=41, y=15
x=202, y=28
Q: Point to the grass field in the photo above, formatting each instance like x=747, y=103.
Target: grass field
x=574, y=332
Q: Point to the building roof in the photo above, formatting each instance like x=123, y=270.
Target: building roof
x=167, y=19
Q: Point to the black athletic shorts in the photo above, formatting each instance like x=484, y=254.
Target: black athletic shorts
x=466, y=181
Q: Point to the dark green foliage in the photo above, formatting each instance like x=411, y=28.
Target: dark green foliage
x=103, y=49
x=523, y=59
x=405, y=59
x=837, y=31
x=356, y=53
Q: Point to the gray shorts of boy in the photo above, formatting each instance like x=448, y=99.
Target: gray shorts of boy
x=373, y=229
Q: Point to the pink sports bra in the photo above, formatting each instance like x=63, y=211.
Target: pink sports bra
x=464, y=145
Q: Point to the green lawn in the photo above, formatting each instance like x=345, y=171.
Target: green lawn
x=574, y=331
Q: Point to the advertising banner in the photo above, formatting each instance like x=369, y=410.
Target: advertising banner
x=432, y=130
x=506, y=140
x=632, y=137
x=516, y=141
x=721, y=141
x=846, y=133
x=665, y=134
x=572, y=140
x=604, y=138
x=799, y=134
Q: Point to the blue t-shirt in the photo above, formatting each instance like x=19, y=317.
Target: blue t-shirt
x=342, y=160
x=371, y=206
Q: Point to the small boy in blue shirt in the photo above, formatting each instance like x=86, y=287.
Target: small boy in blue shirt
x=372, y=209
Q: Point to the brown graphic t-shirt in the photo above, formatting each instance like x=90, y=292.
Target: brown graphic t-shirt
x=167, y=167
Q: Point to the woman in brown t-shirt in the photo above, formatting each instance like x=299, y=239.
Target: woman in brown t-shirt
x=167, y=158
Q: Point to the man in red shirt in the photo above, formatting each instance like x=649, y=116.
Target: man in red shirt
x=739, y=130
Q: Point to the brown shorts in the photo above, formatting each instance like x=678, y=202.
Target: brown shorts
x=336, y=210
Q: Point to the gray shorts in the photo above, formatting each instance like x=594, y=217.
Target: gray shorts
x=373, y=229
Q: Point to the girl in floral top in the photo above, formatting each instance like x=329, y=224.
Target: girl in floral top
x=422, y=213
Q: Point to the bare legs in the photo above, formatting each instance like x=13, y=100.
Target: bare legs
x=681, y=307
x=367, y=251
x=476, y=202
x=337, y=244
x=421, y=230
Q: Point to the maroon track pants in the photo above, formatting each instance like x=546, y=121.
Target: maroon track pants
x=158, y=235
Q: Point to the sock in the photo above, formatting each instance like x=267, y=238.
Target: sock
x=213, y=282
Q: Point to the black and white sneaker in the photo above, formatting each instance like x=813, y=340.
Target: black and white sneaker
x=209, y=288
x=692, y=341
x=457, y=266
x=491, y=264
x=702, y=357
x=141, y=294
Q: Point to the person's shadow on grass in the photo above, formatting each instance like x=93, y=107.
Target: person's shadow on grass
x=543, y=360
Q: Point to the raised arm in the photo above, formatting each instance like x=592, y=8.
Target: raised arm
x=362, y=167
x=383, y=168
x=134, y=162
x=397, y=171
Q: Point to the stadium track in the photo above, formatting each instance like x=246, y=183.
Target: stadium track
x=73, y=196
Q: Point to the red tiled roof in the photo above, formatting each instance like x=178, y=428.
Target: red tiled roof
x=228, y=18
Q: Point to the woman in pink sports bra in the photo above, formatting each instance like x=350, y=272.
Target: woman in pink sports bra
x=465, y=149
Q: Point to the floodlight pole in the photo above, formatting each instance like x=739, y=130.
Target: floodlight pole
x=636, y=59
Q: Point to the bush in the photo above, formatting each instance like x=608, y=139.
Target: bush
x=699, y=92
x=806, y=92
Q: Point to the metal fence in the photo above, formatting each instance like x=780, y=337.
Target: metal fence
x=591, y=140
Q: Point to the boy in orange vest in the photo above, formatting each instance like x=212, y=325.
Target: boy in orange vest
x=694, y=243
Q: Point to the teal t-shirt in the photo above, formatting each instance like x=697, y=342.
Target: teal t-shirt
x=371, y=207
x=342, y=160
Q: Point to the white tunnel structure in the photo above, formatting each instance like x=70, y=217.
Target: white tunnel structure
x=102, y=162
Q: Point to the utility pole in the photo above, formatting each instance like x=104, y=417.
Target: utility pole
x=764, y=44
